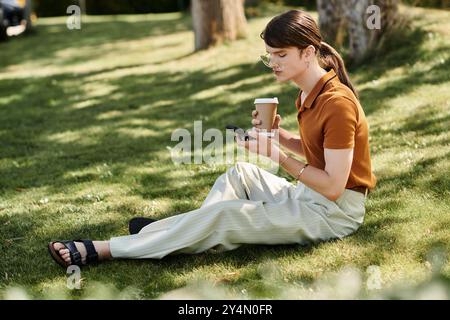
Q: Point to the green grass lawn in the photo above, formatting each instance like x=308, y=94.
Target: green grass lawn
x=85, y=124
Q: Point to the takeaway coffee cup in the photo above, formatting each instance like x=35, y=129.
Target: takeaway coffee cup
x=267, y=110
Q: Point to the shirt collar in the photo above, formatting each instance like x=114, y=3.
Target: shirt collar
x=315, y=91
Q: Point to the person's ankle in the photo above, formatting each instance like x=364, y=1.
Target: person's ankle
x=103, y=250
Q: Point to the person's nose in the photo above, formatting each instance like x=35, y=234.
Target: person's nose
x=273, y=64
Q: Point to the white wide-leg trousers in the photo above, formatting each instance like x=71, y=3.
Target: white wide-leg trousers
x=247, y=205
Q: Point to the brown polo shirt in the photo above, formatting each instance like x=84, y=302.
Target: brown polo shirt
x=331, y=117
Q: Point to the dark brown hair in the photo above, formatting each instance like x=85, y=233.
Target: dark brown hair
x=296, y=28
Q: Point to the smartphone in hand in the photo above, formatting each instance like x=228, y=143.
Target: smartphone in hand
x=241, y=132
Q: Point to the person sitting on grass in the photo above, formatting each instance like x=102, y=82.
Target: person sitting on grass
x=248, y=205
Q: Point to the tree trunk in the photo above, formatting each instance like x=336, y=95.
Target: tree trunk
x=330, y=21
x=215, y=21
x=27, y=15
x=353, y=18
x=82, y=4
x=389, y=16
x=355, y=14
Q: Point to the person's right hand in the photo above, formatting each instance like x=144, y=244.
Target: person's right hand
x=276, y=122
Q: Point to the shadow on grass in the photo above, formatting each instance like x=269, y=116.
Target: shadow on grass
x=93, y=34
x=374, y=99
x=403, y=48
x=34, y=118
x=425, y=121
x=438, y=185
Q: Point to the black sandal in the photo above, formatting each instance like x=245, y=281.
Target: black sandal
x=75, y=256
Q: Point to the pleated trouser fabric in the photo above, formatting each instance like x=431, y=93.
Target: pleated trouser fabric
x=247, y=205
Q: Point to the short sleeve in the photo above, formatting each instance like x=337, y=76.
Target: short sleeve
x=341, y=119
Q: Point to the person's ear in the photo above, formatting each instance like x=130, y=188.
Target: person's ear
x=310, y=51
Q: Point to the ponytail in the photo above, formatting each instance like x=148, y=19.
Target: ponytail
x=329, y=58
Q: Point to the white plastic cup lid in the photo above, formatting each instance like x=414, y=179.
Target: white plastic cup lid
x=267, y=100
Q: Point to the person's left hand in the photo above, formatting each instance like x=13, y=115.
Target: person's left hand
x=261, y=144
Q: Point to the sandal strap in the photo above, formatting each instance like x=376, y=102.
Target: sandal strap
x=75, y=255
x=92, y=255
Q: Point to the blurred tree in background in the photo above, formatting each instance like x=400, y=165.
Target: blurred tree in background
x=350, y=19
x=216, y=21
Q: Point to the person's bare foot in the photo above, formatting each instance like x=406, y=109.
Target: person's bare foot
x=102, y=248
